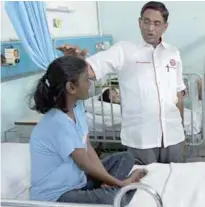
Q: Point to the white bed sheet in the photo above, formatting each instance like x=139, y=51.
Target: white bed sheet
x=184, y=188
x=179, y=185
x=197, y=116
x=98, y=126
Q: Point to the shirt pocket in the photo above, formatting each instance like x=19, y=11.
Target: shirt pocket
x=172, y=78
x=136, y=76
x=172, y=65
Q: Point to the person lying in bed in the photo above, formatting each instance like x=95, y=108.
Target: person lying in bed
x=110, y=95
x=64, y=165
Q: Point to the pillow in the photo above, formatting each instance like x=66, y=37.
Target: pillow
x=98, y=106
x=108, y=122
x=15, y=171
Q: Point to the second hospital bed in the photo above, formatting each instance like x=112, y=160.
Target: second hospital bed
x=104, y=119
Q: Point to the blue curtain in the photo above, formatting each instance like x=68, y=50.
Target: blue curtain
x=29, y=21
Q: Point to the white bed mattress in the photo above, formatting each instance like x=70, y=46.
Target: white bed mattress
x=95, y=120
x=15, y=171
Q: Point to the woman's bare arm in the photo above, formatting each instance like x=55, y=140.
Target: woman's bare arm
x=82, y=159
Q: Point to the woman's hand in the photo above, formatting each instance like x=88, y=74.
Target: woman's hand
x=135, y=176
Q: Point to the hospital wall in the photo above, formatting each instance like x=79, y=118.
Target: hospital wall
x=14, y=93
x=186, y=27
x=78, y=23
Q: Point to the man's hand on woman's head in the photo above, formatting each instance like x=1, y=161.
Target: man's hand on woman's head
x=72, y=50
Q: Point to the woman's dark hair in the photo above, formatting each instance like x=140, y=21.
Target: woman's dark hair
x=105, y=96
x=51, y=88
x=158, y=6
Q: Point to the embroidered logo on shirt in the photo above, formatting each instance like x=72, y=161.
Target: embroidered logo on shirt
x=173, y=62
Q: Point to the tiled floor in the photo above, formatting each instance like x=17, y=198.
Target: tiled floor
x=197, y=154
x=196, y=159
x=194, y=154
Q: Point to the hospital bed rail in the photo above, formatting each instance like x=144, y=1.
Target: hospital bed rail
x=24, y=203
x=138, y=186
x=116, y=203
x=192, y=96
x=111, y=135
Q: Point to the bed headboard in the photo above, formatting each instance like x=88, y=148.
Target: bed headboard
x=193, y=83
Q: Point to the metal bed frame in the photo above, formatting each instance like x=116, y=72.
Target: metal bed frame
x=117, y=200
x=106, y=135
x=196, y=139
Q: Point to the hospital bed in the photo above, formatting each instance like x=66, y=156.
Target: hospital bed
x=168, y=185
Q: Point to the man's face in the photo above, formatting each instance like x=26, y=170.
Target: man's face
x=152, y=26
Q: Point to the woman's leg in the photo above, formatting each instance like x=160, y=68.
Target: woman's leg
x=144, y=156
x=119, y=164
x=104, y=195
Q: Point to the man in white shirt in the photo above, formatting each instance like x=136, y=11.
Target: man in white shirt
x=151, y=86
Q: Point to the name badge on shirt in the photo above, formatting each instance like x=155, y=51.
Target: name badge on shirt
x=143, y=62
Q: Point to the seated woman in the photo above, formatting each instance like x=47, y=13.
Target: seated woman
x=64, y=165
x=110, y=95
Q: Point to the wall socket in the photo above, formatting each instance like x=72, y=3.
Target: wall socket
x=57, y=23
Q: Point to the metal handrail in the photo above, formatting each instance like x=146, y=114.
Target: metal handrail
x=18, y=203
x=134, y=186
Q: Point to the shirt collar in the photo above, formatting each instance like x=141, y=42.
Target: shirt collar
x=162, y=43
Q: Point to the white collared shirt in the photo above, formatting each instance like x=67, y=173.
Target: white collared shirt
x=149, y=80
